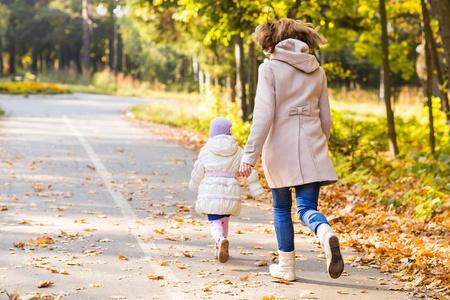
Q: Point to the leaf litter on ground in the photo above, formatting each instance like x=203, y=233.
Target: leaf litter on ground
x=388, y=238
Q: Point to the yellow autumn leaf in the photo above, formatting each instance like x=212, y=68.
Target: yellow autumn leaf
x=162, y=262
x=44, y=284
x=155, y=277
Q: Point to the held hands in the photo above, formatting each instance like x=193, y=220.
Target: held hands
x=245, y=169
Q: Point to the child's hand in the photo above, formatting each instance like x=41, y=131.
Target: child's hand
x=245, y=169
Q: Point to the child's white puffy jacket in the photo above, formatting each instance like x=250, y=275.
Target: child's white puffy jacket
x=215, y=177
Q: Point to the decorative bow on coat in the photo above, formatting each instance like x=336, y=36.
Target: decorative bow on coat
x=300, y=110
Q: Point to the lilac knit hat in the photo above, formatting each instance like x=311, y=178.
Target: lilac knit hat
x=219, y=126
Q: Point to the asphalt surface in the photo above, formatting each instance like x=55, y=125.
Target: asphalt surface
x=97, y=207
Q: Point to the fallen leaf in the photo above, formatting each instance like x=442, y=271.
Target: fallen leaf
x=281, y=280
x=307, y=294
x=3, y=208
x=44, y=284
x=105, y=240
x=41, y=240
x=178, y=219
x=188, y=254
x=155, y=277
x=123, y=257
x=90, y=229
x=350, y=258
x=19, y=244
x=342, y=292
x=90, y=167
x=243, y=278
x=396, y=288
x=162, y=262
x=261, y=263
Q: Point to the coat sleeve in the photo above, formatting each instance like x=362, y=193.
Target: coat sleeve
x=197, y=174
x=253, y=184
x=262, y=115
x=324, y=105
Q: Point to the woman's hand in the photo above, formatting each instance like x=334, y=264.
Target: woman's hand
x=245, y=169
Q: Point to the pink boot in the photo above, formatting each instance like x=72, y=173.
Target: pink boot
x=225, y=226
x=219, y=233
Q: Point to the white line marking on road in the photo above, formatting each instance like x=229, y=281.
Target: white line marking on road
x=149, y=248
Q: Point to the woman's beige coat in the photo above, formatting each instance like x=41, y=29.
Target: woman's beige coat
x=291, y=119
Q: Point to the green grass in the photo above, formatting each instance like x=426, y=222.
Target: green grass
x=107, y=84
x=129, y=92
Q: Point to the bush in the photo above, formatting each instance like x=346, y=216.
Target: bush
x=358, y=146
x=31, y=88
x=416, y=178
x=195, y=115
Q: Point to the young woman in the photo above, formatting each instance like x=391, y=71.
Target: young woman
x=292, y=120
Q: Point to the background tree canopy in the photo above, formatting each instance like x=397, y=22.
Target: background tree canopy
x=203, y=45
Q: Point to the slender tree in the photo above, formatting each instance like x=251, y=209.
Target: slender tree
x=387, y=83
x=86, y=38
x=444, y=25
x=240, y=75
x=429, y=93
x=252, y=78
x=442, y=11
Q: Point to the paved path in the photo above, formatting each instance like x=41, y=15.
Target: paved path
x=111, y=200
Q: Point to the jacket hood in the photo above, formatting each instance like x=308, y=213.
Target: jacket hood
x=223, y=145
x=296, y=54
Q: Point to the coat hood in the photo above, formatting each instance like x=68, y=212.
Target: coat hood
x=295, y=53
x=223, y=145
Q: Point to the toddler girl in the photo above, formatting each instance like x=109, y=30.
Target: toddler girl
x=215, y=178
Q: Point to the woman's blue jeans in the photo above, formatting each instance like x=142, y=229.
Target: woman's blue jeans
x=307, y=197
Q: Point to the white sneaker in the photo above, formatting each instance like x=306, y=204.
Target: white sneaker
x=285, y=269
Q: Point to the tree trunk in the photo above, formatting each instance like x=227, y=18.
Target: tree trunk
x=252, y=74
x=1, y=59
x=34, y=59
x=240, y=76
x=115, y=47
x=120, y=53
x=429, y=93
x=195, y=67
x=59, y=55
x=77, y=60
x=41, y=62
x=292, y=13
x=442, y=9
x=387, y=85
x=434, y=55
x=12, y=59
x=86, y=40
x=1, y=63
x=201, y=83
